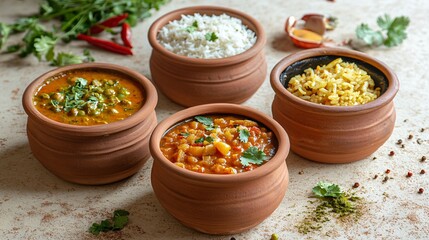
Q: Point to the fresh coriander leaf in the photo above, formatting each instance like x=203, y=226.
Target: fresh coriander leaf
x=369, y=36
x=396, y=33
x=384, y=22
x=243, y=135
x=5, y=31
x=200, y=140
x=64, y=59
x=193, y=27
x=13, y=48
x=211, y=127
x=119, y=222
x=24, y=24
x=211, y=37
x=326, y=189
x=88, y=56
x=184, y=134
x=252, y=155
x=209, y=139
x=204, y=120
x=44, y=46
x=120, y=212
x=392, y=31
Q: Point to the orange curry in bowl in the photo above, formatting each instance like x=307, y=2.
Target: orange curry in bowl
x=218, y=144
x=88, y=97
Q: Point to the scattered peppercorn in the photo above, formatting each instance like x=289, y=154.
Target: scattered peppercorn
x=410, y=136
x=387, y=171
x=402, y=145
x=423, y=158
x=374, y=158
x=422, y=171
x=375, y=176
x=399, y=141
x=419, y=141
x=301, y=172
x=385, y=179
x=409, y=174
x=405, y=120
x=391, y=153
x=422, y=130
x=356, y=185
x=421, y=190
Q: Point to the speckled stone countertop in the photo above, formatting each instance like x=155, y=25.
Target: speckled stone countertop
x=34, y=204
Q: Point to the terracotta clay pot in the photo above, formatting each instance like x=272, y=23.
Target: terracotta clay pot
x=214, y=203
x=193, y=81
x=97, y=154
x=334, y=134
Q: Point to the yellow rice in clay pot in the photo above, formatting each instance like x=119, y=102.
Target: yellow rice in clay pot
x=338, y=83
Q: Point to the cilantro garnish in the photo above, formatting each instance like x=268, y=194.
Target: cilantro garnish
x=243, y=135
x=253, y=155
x=208, y=122
x=193, y=27
x=199, y=140
x=211, y=37
x=325, y=189
x=209, y=139
x=331, y=203
x=184, y=134
x=391, y=33
x=117, y=222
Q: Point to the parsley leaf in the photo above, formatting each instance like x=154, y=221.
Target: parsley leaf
x=253, y=155
x=391, y=33
x=326, y=189
x=199, y=140
x=118, y=222
x=211, y=37
x=193, y=27
x=243, y=135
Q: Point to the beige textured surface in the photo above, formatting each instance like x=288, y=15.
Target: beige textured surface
x=34, y=204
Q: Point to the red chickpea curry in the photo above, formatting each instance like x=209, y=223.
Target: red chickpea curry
x=88, y=97
x=218, y=144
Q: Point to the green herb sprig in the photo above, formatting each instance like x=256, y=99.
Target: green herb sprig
x=332, y=202
x=75, y=16
x=243, y=135
x=253, y=155
x=211, y=37
x=392, y=31
x=206, y=121
x=117, y=222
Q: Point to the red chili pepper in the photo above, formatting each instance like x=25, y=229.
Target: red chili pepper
x=126, y=35
x=109, y=23
x=108, y=45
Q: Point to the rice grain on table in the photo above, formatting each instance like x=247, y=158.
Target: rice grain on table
x=337, y=83
x=183, y=38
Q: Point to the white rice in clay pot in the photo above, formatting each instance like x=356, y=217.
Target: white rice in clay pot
x=202, y=36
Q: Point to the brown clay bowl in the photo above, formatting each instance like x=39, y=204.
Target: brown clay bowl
x=96, y=154
x=193, y=81
x=213, y=203
x=334, y=134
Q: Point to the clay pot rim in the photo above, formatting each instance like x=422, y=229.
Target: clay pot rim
x=148, y=107
x=176, y=14
x=221, y=108
x=383, y=99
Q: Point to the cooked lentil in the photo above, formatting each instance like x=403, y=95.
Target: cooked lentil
x=217, y=148
x=337, y=83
